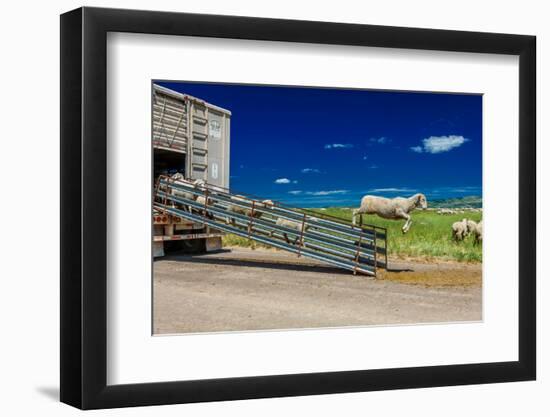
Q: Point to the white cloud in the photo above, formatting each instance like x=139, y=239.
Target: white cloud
x=365, y=158
x=373, y=166
x=327, y=192
x=439, y=144
x=282, y=181
x=391, y=190
x=381, y=140
x=295, y=182
x=338, y=145
x=310, y=171
x=295, y=192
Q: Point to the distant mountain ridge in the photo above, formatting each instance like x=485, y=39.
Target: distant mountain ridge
x=473, y=201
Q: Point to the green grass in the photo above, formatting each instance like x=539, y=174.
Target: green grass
x=234, y=240
x=428, y=237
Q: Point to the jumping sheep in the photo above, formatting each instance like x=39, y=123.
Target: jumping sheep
x=391, y=208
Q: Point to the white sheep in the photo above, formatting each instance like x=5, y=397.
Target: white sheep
x=201, y=200
x=246, y=211
x=292, y=224
x=460, y=230
x=478, y=233
x=391, y=208
x=180, y=193
x=471, y=226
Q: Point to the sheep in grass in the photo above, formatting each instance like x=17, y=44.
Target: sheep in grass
x=460, y=230
x=471, y=226
x=247, y=211
x=478, y=233
x=391, y=208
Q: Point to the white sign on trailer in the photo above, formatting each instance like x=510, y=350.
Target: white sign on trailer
x=215, y=129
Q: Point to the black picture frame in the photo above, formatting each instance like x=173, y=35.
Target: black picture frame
x=84, y=207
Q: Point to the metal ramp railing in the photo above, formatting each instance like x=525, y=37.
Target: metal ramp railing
x=360, y=249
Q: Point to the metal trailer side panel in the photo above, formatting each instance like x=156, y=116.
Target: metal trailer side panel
x=216, y=148
x=227, y=150
x=191, y=126
x=198, y=132
x=198, y=146
x=170, y=122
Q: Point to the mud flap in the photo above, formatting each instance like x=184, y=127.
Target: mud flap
x=158, y=249
x=213, y=244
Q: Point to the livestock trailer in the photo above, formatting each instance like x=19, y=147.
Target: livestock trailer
x=190, y=137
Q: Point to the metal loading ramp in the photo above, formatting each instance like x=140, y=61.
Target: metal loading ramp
x=359, y=249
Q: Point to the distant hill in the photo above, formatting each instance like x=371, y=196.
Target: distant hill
x=473, y=201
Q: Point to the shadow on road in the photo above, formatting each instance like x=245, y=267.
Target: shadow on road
x=397, y=270
x=251, y=263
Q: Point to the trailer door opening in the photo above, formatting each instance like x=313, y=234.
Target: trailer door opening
x=168, y=162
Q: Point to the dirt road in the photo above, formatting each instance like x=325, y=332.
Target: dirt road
x=245, y=289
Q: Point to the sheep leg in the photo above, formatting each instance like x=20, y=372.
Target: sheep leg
x=408, y=222
x=407, y=226
x=455, y=236
x=354, y=215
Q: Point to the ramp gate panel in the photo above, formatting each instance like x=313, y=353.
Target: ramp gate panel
x=325, y=238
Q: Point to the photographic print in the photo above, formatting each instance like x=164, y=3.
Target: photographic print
x=290, y=207
x=318, y=201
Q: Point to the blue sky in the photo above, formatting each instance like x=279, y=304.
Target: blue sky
x=315, y=147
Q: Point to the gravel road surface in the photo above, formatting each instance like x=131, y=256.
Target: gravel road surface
x=242, y=289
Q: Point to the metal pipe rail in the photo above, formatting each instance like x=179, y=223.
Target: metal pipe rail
x=354, y=248
x=368, y=231
x=365, y=269
x=323, y=216
x=310, y=237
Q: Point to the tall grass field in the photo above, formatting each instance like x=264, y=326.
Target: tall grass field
x=429, y=236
